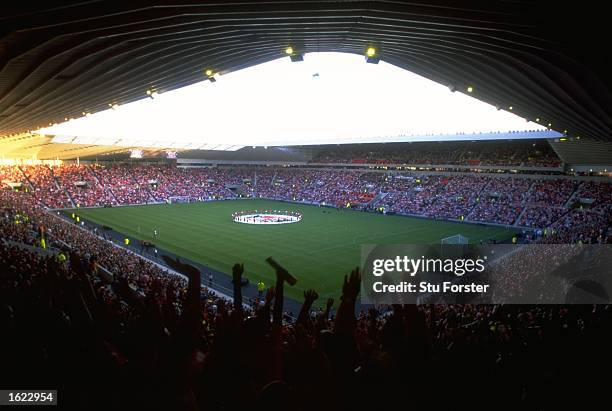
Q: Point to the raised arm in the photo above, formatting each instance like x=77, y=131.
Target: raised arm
x=191, y=306
x=328, y=306
x=264, y=312
x=237, y=271
x=282, y=275
x=345, y=319
x=324, y=317
x=310, y=296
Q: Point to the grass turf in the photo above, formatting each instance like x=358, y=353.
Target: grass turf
x=319, y=250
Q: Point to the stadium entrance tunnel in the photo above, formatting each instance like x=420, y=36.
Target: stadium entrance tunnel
x=269, y=217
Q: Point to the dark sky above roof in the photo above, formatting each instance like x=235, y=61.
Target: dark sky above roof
x=548, y=60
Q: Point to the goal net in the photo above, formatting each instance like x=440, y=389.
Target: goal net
x=453, y=246
x=455, y=239
x=179, y=199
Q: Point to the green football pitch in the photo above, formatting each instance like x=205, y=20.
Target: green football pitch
x=319, y=250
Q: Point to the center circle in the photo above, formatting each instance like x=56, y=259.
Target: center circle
x=267, y=217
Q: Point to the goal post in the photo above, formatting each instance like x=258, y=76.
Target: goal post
x=179, y=199
x=453, y=246
x=455, y=239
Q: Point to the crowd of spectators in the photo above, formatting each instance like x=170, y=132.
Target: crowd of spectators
x=509, y=200
x=82, y=186
x=540, y=216
x=433, y=196
x=165, y=181
x=331, y=187
x=147, y=339
x=547, y=273
x=580, y=225
x=501, y=201
x=599, y=192
x=45, y=187
x=125, y=188
x=526, y=153
x=552, y=191
x=10, y=174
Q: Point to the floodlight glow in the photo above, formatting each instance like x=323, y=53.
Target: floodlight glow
x=371, y=52
x=209, y=72
x=289, y=50
x=251, y=107
x=470, y=89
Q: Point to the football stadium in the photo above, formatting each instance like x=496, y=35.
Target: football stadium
x=305, y=205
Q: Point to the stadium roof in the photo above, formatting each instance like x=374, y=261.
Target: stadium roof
x=78, y=57
x=328, y=98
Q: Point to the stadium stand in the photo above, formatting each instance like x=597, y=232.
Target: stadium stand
x=117, y=322
x=145, y=327
x=113, y=330
x=524, y=153
x=511, y=200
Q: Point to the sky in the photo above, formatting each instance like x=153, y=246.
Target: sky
x=327, y=98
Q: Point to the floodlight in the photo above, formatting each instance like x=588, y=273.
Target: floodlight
x=371, y=56
x=289, y=50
